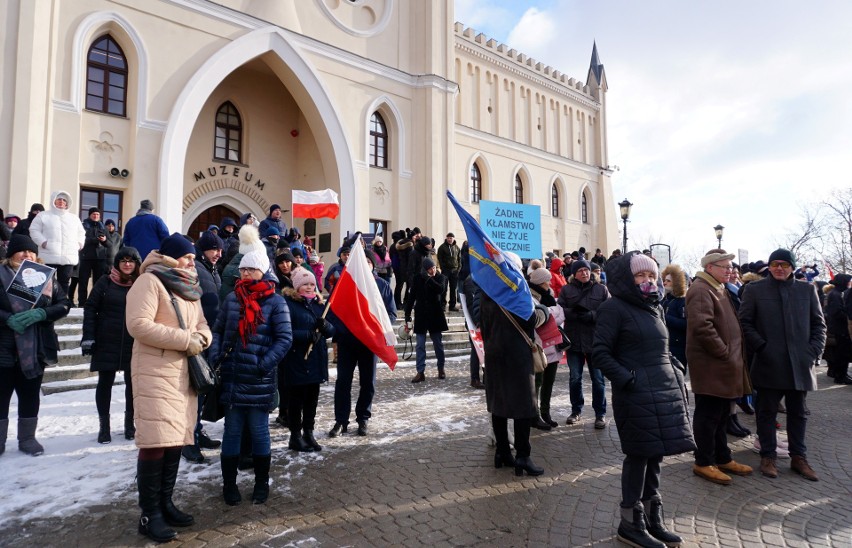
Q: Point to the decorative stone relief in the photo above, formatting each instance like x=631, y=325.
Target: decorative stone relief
x=381, y=191
x=359, y=17
x=104, y=148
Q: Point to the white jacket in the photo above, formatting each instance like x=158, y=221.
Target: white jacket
x=58, y=233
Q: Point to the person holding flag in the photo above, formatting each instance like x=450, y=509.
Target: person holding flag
x=361, y=309
x=508, y=318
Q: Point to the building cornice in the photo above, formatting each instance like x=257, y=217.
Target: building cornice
x=525, y=150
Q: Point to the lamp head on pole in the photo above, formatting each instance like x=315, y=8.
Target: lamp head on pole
x=625, y=206
x=719, y=229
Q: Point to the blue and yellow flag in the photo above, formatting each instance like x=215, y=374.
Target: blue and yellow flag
x=492, y=270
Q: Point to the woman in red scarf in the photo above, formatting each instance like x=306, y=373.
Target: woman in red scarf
x=252, y=334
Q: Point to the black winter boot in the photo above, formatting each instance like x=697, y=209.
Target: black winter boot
x=297, y=443
x=261, y=479
x=4, y=430
x=26, y=437
x=103, y=434
x=229, y=477
x=173, y=516
x=149, y=479
x=309, y=438
x=129, y=427
x=655, y=522
x=632, y=529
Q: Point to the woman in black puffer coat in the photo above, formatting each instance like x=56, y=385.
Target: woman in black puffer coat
x=304, y=376
x=109, y=345
x=648, y=393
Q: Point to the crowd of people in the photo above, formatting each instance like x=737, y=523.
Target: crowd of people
x=251, y=297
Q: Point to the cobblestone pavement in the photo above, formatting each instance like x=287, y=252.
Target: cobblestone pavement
x=424, y=476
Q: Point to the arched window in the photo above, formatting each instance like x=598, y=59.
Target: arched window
x=106, y=78
x=229, y=133
x=378, y=141
x=554, y=201
x=584, y=209
x=519, y=190
x=475, y=183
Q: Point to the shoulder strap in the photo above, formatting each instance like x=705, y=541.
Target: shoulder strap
x=177, y=310
x=526, y=337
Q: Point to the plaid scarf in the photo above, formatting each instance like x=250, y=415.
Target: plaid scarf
x=249, y=292
x=182, y=282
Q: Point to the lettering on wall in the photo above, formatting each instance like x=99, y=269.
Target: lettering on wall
x=229, y=172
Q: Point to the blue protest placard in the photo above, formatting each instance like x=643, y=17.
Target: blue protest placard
x=513, y=227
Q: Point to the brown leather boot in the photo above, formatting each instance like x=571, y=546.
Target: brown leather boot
x=799, y=465
x=768, y=468
x=711, y=473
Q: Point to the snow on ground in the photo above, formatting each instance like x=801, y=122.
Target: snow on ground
x=76, y=472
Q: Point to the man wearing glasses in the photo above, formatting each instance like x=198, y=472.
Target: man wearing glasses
x=784, y=327
x=716, y=356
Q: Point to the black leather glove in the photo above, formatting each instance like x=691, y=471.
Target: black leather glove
x=320, y=324
x=631, y=384
x=316, y=337
x=587, y=316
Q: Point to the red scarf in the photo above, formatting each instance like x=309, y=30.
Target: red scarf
x=249, y=292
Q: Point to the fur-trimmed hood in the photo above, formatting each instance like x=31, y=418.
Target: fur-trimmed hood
x=678, y=279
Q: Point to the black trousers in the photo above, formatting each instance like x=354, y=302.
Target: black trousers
x=103, y=392
x=12, y=379
x=63, y=276
x=302, y=410
x=766, y=412
x=709, y=426
x=88, y=268
x=452, y=289
x=640, y=479
x=398, y=294
x=522, y=435
x=544, y=387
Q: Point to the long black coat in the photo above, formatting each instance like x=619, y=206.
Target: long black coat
x=509, y=375
x=784, y=328
x=425, y=299
x=303, y=316
x=576, y=298
x=103, y=313
x=631, y=342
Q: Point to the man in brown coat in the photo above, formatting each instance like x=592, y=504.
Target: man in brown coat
x=716, y=356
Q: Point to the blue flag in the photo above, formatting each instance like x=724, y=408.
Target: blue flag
x=492, y=271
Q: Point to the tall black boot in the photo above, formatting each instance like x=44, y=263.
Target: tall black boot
x=103, y=433
x=129, y=427
x=149, y=480
x=655, y=522
x=4, y=430
x=173, y=516
x=229, y=480
x=632, y=529
x=309, y=438
x=261, y=479
x=297, y=442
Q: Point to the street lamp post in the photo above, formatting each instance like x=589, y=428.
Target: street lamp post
x=624, y=206
x=719, y=229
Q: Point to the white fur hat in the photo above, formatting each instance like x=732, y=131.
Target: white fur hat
x=250, y=240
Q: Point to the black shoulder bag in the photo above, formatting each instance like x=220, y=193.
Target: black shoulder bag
x=200, y=373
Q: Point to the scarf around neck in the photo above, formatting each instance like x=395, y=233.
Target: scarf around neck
x=182, y=282
x=248, y=293
x=119, y=278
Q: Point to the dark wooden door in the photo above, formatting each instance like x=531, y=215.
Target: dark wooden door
x=211, y=216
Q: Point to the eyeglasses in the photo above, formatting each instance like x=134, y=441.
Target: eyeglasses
x=127, y=261
x=247, y=269
x=780, y=264
x=728, y=268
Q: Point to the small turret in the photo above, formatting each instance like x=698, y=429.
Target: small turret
x=596, y=78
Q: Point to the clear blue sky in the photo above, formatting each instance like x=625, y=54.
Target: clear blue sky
x=726, y=112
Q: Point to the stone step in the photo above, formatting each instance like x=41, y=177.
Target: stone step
x=69, y=385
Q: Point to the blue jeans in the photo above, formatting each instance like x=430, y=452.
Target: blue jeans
x=257, y=420
x=420, y=350
x=575, y=384
x=350, y=357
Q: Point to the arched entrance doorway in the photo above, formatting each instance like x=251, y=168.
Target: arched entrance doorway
x=211, y=216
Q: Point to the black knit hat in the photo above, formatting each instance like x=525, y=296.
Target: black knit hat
x=176, y=246
x=209, y=241
x=782, y=254
x=36, y=207
x=94, y=210
x=19, y=242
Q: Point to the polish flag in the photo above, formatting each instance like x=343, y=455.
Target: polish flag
x=313, y=205
x=356, y=301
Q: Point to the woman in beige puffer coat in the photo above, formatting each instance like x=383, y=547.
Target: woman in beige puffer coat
x=165, y=405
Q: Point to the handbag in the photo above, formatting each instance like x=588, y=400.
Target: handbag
x=211, y=409
x=549, y=333
x=539, y=360
x=566, y=342
x=200, y=373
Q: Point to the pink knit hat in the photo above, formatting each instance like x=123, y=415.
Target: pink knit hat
x=641, y=262
x=301, y=276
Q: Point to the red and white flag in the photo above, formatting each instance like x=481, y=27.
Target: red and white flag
x=313, y=205
x=356, y=301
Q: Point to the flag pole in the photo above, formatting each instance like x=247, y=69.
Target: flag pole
x=325, y=312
